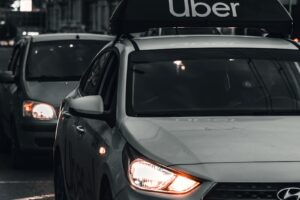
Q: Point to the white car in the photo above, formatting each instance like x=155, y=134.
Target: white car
x=185, y=117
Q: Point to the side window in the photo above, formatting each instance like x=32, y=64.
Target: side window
x=15, y=60
x=95, y=75
x=108, y=86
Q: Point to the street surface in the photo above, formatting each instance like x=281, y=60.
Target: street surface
x=34, y=182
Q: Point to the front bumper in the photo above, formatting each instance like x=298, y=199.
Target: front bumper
x=129, y=193
x=220, y=191
x=36, y=136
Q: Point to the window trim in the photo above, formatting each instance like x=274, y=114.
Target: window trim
x=17, y=54
x=114, y=52
x=85, y=76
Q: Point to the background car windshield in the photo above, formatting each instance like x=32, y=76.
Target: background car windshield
x=214, y=82
x=61, y=60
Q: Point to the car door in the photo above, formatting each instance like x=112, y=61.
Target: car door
x=10, y=90
x=75, y=133
x=97, y=133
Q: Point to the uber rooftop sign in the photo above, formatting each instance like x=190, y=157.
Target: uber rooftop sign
x=140, y=15
x=202, y=9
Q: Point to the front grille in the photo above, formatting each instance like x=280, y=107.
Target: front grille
x=248, y=191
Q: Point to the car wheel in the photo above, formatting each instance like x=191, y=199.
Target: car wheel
x=59, y=183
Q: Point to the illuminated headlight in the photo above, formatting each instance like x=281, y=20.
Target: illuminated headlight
x=7, y=43
x=147, y=176
x=39, y=111
x=4, y=43
x=11, y=42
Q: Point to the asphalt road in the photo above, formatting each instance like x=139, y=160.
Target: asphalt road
x=5, y=54
x=31, y=183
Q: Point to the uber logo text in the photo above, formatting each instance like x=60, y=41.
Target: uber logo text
x=192, y=9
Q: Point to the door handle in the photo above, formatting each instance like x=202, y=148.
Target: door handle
x=66, y=114
x=80, y=130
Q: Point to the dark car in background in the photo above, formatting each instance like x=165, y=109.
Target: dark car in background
x=42, y=71
x=8, y=33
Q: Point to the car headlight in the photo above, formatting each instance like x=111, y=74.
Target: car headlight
x=4, y=43
x=151, y=177
x=11, y=42
x=39, y=111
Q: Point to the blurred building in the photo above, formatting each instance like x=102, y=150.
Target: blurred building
x=79, y=15
x=39, y=4
x=20, y=20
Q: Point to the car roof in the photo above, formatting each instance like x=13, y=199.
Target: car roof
x=212, y=41
x=70, y=36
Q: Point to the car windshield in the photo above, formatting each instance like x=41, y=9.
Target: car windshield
x=218, y=82
x=61, y=60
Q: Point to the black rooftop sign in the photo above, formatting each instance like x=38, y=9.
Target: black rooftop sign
x=139, y=15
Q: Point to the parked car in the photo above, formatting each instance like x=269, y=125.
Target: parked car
x=42, y=71
x=207, y=117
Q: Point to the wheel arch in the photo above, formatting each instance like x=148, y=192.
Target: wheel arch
x=106, y=183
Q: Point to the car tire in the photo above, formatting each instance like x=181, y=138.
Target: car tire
x=59, y=183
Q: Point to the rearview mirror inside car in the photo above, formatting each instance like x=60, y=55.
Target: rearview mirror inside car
x=89, y=107
x=7, y=77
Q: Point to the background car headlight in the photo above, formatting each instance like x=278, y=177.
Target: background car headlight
x=39, y=111
x=147, y=176
x=11, y=42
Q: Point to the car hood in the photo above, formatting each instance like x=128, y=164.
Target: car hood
x=255, y=172
x=183, y=141
x=49, y=92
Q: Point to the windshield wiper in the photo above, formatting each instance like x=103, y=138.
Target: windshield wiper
x=54, y=78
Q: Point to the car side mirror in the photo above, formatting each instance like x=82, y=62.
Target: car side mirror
x=89, y=107
x=7, y=77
